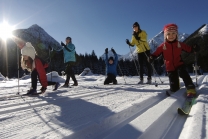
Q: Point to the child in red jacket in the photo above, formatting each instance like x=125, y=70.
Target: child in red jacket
x=171, y=50
x=36, y=66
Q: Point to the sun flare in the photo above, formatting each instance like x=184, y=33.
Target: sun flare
x=5, y=30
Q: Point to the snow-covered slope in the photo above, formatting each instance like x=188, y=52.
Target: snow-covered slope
x=204, y=30
x=94, y=111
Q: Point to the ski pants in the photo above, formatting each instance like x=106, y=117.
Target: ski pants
x=174, y=79
x=34, y=80
x=111, y=78
x=69, y=72
x=142, y=58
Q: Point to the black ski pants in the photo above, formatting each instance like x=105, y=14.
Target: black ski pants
x=174, y=79
x=110, y=79
x=142, y=58
x=35, y=77
x=69, y=72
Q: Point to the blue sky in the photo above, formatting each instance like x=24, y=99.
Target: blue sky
x=98, y=24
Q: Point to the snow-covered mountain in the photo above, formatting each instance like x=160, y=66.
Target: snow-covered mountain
x=204, y=30
x=39, y=38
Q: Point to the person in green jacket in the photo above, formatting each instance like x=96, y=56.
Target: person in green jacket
x=139, y=38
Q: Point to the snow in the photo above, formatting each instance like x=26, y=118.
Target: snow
x=204, y=30
x=93, y=110
x=86, y=72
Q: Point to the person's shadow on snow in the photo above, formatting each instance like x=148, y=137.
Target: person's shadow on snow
x=74, y=114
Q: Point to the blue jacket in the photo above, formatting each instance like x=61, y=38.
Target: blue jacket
x=69, y=56
x=111, y=68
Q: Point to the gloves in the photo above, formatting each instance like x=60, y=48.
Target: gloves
x=113, y=50
x=106, y=50
x=127, y=42
x=43, y=89
x=150, y=59
x=62, y=44
x=195, y=48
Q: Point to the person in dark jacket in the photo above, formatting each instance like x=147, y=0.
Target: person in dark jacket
x=111, y=67
x=171, y=50
x=36, y=66
x=69, y=61
x=139, y=38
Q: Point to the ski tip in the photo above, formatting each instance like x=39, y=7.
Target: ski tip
x=181, y=112
x=167, y=93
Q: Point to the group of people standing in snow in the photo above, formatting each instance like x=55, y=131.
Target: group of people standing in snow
x=171, y=50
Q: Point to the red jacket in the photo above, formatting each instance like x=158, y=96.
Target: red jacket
x=41, y=71
x=171, y=52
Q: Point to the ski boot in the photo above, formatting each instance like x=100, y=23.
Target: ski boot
x=115, y=82
x=141, y=81
x=149, y=81
x=191, y=93
x=56, y=86
x=169, y=92
x=31, y=92
x=65, y=85
x=75, y=84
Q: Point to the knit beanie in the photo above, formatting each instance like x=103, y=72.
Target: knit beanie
x=68, y=38
x=110, y=58
x=28, y=50
x=170, y=28
x=136, y=24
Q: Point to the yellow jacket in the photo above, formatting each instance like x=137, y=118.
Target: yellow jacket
x=141, y=44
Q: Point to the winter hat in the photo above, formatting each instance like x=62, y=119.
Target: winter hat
x=110, y=58
x=136, y=24
x=68, y=38
x=28, y=50
x=170, y=28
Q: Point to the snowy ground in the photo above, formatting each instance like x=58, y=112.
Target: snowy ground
x=94, y=111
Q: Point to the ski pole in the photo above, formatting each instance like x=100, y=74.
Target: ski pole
x=156, y=84
x=18, y=69
x=196, y=68
x=134, y=60
x=154, y=69
x=121, y=73
x=156, y=73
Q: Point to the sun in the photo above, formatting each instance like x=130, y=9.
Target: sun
x=5, y=30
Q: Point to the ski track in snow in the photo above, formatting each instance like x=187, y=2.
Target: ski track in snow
x=93, y=111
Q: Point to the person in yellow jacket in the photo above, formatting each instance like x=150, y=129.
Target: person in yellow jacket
x=139, y=38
